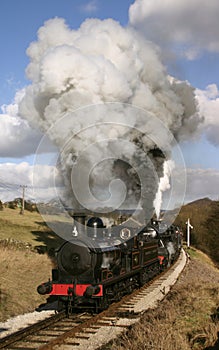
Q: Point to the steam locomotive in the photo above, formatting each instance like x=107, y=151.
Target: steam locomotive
x=100, y=265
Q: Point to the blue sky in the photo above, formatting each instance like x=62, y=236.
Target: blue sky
x=201, y=72
x=189, y=49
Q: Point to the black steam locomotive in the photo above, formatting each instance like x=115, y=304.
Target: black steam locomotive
x=99, y=265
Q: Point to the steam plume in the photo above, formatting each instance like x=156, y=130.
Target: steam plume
x=110, y=69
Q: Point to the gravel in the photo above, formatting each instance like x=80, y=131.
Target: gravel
x=21, y=321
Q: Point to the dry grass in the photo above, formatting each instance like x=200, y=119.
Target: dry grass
x=188, y=317
x=204, y=216
x=20, y=227
x=29, y=227
x=22, y=270
x=20, y=274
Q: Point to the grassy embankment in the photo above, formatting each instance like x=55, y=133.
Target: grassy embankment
x=188, y=318
x=29, y=228
x=22, y=270
x=204, y=217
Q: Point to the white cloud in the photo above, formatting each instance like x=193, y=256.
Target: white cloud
x=192, y=24
x=42, y=181
x=90, y=7
x=17, y=139
x=208, y=100
x=202, y=183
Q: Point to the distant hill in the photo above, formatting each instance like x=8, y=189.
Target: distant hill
x=203, y=202
x=204, y=217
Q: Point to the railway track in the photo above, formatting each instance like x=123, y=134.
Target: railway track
x=85, y=331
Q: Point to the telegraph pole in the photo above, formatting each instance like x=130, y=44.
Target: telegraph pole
x=188, y=232
x=23, y=195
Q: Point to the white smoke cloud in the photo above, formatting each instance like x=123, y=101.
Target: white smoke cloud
x=192, y=24
x=164, y=185
x=99, y=64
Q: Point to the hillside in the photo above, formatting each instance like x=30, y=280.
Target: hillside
x=187, y=319
x=29, y=228
x=204, y=217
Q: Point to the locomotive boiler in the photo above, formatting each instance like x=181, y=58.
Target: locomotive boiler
x=99, y=265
